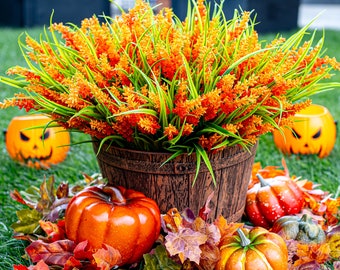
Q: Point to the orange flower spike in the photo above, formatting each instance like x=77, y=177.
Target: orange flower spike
x=103, y=127
x=170, y=131
x=123, y=128
x=132, y=98
x=212, y=102
x=204, y=142
x=188, y=129
x=148, y=124
x=210, y=142
x=240, y=26
x=36, y=48
x=29, y=76
x=202, y=9
x=122, y=68
x=76, y=40
x=66, y=33
x=105, y=67
x=21, y=101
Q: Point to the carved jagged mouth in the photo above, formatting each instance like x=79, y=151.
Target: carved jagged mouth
x=293, y=152
x=35, y=159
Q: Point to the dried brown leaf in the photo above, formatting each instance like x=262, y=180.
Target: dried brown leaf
x=107, y=257
x=56, y=253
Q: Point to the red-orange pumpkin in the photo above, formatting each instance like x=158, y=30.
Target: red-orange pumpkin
x=36, y=147
x=271, y=199
x=253, y=249
x=123, y=218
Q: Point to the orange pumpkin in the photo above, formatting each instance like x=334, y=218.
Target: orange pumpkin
x=313, y=132
x=123, y=218
x=30, y=143
x=253, y=249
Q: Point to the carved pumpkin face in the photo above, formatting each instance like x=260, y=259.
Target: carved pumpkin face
x=313, y=132
x=36, y=147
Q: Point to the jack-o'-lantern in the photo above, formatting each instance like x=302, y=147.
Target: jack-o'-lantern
x=31, y=141
x=313, y=132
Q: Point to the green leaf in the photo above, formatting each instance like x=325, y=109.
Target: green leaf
x=159, y=260
x=28, y=221
x=201, y=153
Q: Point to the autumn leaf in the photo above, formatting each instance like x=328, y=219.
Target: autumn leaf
x=210, y=256
x=186, y=244
x=312, y=265
x=72, y=264
x=226, y=229
x=82, y=251
x=62, y=190
x=107, y=257
x=204, y=212
x=159, y=260
x=19, y=267
x=336, y=265
x=56, y=253
x=41, y=265
x=211, y=230
x=334, y=243
x=172, y=220
x=267, y=172
x=54, y=231
x=47, y=195
x=28, y=221
x=305, y=253
x=16, y=196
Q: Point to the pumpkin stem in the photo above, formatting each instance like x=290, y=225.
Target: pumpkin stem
x=244, y=239
x=305, y=218
x=115, y=195
x=262, y=181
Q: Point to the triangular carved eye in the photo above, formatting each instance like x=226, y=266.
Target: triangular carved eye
x=317, y=135
x=23, y=137
x=45, y=136
x=295, y=134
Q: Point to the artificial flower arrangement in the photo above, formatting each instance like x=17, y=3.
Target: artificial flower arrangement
x=151, y=82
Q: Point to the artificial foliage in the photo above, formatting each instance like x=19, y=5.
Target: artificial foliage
x=148, y=81
x=188, y=240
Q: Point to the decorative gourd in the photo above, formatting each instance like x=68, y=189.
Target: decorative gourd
x=253, y=249
x=271, y=199
x=301, y=229
x=313, y=132
x=30, y=143
x=122, y=218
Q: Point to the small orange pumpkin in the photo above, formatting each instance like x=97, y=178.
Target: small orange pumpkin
x=256, y=248
x=31, y=144
x=313, y=132
x=123, y=218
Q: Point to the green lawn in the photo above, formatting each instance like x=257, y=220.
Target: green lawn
x=82, y=159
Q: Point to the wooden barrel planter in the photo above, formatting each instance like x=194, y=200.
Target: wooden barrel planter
x=171, y=185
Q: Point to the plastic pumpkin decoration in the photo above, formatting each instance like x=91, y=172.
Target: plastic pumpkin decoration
x=253, y=249
x=313, y=132
x=271, y=199
x=125, y=219
x=30, y=142
x=302, y=229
